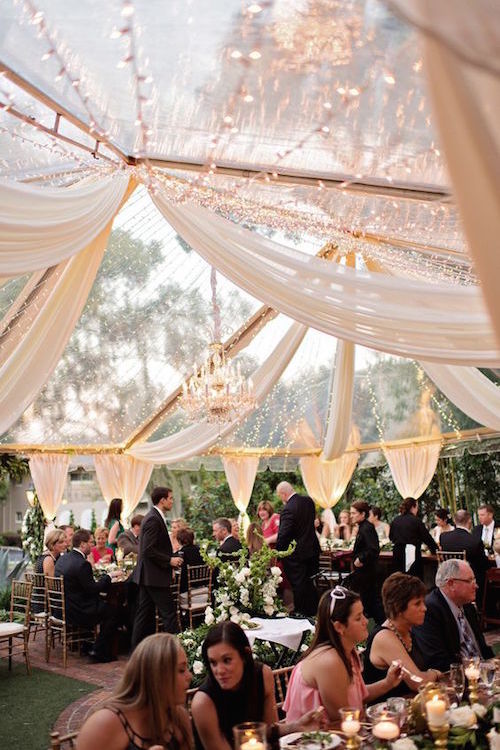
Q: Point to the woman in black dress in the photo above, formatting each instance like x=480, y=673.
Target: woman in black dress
x=55, y=544
x=408, y=531
x=403, y=597
x=365, y=553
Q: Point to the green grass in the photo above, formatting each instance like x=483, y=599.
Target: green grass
x=29, y=706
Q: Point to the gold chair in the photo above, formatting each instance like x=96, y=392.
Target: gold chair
x=195, y=600
x=62, y=742
x=174, y=591
x=443, y=556
x=39, y=610
x=18, y=627
x=69, y=635
x=281, y=680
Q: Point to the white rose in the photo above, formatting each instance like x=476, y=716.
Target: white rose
x=462, y=717
x=198, y=667
x=494, y=740
x=268, y=609
x=404, y=744
x=479, y=710
x=233, y=610
x=235, y=618
x=275, y=571
x=209, y=616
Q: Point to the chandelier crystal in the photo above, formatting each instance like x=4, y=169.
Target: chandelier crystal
x=217, y=392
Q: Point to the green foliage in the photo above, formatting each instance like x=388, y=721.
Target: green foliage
x=32, y=531
x=13, y=467
x=93, y=521
x=72, y=519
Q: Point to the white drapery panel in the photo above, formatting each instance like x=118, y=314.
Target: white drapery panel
x=122, y=476
x=340, y=411
x=240, y=474
x=40, y=227
x=49, y=472
x=470, y=390
x=436, y=322
x=467, y=107
x=40, y=338
x=198, y=438
x=326, y=481
x=413, y=467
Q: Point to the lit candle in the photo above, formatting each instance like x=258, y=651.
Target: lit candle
x=386, y=730
x=252, y=744
x=436, y=711
x=350, y=727
x=472, y=672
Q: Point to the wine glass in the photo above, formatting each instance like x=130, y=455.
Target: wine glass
x=457, y=680
x=487, y=673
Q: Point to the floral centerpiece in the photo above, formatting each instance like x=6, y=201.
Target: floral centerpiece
x=247, y=586
x=33, y=530
x=329, y=544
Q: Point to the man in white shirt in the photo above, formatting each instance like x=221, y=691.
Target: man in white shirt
x=485, y=530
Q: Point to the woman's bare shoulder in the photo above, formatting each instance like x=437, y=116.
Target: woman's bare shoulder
x=104, y=729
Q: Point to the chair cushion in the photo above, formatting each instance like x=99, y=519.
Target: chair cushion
x=199, y=598
x=10, y=628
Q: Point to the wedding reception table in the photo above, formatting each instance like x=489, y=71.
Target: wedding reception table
x=287, y=632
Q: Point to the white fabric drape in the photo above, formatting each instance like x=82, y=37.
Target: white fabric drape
x=240, y=474
x=470, y=390
x=413, y=467
x=340, y=412
x=436, y=322
x=122, y=476
x=49, y=472
x=40, y=227
x=41, y=338
x=198, y=438
x=326, y=481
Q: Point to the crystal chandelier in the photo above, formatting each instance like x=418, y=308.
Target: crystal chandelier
x=217, y=392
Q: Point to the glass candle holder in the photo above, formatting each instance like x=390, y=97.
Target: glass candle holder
x=350, y=726
x=472, y=672
x=437, y=714
x=386, y=726
x=250, y=736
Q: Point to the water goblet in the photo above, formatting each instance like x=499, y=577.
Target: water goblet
x=457, y=680
x=487, y=672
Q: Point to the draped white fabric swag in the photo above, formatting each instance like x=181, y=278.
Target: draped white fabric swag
x=240, y=474
x=437, y=322
x=49, y=472
x=326, y=481
x=340, y=411
x=198, y=438
x=40, y=227
x=413, y=467
x=122, y=476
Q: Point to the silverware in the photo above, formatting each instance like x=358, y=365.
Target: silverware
x=414, y=677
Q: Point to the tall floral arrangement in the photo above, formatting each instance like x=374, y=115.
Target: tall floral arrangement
x=32, y=530
x=246, y=585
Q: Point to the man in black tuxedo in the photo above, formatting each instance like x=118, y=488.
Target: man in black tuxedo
x=84, y=606
x=228, y=545
x=451, y=630
x=155, y=565
x=297, y=523
x=485, y=530
x=461, y=540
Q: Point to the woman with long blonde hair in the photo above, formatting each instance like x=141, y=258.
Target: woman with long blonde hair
x=146, y=709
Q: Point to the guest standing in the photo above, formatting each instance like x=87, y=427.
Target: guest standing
x=113, y=522
x=155, y=566
x=297, y=523
x=461, y=540
x=486, y=528
x=55, y=543
x=407, y=534
x=270, y=522
x=442, y=524
x=365, y=554
x=329, y=673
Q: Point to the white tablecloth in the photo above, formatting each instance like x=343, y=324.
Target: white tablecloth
x=283, y=630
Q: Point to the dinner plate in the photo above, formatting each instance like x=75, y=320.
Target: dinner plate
x=293, y=740
x=252, y=626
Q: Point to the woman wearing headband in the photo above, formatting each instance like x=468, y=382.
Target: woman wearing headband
x=340, y=625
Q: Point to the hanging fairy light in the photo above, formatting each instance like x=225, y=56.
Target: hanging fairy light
x=217, y=392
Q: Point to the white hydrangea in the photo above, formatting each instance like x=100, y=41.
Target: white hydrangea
x=275, y=571
x=240, y=576
x=198, y=667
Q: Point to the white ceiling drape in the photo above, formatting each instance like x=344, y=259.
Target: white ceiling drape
x=240, y=474
x=340, y=410
x=413, y=467
x=436, y=322
x=198, y=438
x=49, y=472
x=122, y=476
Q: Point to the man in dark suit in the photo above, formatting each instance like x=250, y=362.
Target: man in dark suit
x=155, y=565
x=408, y=533
x=451, y=630
x=485, y=530
x=297, y=523
x=128, y=541
x=83, y=605
x=221, y=532
x=461, y=540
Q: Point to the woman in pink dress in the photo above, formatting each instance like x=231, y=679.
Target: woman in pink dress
x=270, y=522
x=101, y=552
x=340, y=625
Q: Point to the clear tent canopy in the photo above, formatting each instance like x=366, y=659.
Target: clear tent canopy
x=307, y=121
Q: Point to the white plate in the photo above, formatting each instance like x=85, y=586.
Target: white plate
x=288, y=739
x=253, y=626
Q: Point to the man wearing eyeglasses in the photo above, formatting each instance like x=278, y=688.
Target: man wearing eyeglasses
x=450, y=631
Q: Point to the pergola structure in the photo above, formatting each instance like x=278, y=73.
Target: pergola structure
x=299, y=149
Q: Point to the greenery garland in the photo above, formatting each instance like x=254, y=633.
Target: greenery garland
x=33, y=530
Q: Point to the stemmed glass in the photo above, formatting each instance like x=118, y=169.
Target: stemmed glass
x=487, y=672
x=457, y=680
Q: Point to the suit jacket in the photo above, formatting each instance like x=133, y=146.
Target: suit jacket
x=81, y=592
x=229, y=547
x=477, y=533
x=155, y=551
x=366, y=545
x=409, y=529
x=297, y=522
x=460, y=540
x=438, y=638
x=128, y=542
x=190, y=553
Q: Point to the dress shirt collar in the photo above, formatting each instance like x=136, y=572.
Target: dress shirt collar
x=487, y=532
x=226, y=537
x=76, y=549
x=163, y=518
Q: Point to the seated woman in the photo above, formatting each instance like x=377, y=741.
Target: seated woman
x=146, y=709
x=236, y=690
x=403, y=598
x=382, y=528
x=254, y=539
x=190, y=553
x=100, y=552
x=176, y=525
x=343, y=530
x=55, y=544
x=329, y=673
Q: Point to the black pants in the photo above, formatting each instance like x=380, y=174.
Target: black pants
x=300, y=574
x=365, y=584
x=149, y=598
x=108, y=619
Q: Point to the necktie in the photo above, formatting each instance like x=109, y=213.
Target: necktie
x=468, y=645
